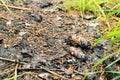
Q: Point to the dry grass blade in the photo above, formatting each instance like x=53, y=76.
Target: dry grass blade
x=15, y=77
x=6, y=6
x=46, y=69
x=54, y=73
x=19, y=8
x=3, y=17
x=5, y=59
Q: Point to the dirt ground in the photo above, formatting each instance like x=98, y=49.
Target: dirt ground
x=40, y=41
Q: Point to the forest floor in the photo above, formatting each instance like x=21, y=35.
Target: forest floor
x=40, y=41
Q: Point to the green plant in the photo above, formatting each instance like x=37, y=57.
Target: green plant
x=86, y=5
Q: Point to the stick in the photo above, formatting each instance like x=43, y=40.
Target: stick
x=16, y=67
x=10, y=60
x=14, y=7
x=46, y=69
x=3, y=17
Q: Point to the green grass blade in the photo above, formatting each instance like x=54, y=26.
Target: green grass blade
x=88, y=73
x=116, y=78
x=114, y=72
x=113, y=62
x=109, y=35
x=105, y=58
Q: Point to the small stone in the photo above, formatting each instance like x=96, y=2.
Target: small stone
x=44, y=23
x=118, y=14
x=97, y=36
x=92, y=24
x=27, y=24
x=45, y=4
x=98, y=51
x=17, y=31
x=58, y=18
x=6, y=46
x=89, y=17
x=22, y=33
x=25, y=36
x=77, y=52
x=25, y=53
x=45, y=76
x=9, y=23
x=20, y=24
x=36, y=17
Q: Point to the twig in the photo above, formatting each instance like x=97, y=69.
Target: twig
x=3, y=17
x=15, y=61
x=54, y=73
x=16, y=67
x=46, y=69
x=17, y=76
x=81, y=73
x=14, y=7
x=10, y=71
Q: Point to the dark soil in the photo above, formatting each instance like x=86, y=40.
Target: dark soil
x=46, y=43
